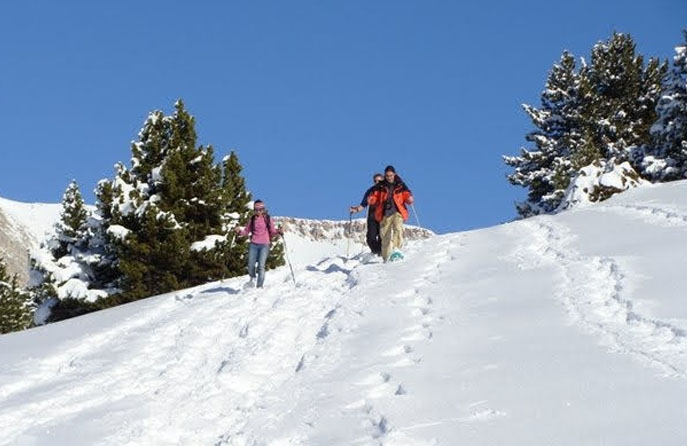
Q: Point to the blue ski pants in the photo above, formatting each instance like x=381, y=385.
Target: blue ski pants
x=257, y=254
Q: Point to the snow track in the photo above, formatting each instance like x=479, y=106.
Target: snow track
x=374, y=370
x=661, y=215
x=536, y=332
x=165, y=358
x=177, y=374
x=594, y=293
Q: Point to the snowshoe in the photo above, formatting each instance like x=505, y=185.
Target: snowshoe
x=396, y=256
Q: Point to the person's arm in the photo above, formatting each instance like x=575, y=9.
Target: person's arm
x=363, y=202
x=245, y=231
x=373, y=198
x=408, y=197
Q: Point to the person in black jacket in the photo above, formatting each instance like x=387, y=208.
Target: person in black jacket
x=373, y=238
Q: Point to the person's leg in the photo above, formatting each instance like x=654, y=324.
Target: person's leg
x=385, y=232
x=397, y=237
x=262, y=259
x=372, y=239
x=378, y=239
x=252, y=258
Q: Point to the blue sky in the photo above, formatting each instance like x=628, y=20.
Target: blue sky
x=313, y=95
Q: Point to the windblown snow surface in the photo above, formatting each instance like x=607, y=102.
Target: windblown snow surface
x=557, y=330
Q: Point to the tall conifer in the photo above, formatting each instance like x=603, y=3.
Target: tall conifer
x=666, y=157
x=16, y=311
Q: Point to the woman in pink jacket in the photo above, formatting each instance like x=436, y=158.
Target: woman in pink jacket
x=261, y=230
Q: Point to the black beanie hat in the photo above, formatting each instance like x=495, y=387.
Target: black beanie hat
x=389, y=169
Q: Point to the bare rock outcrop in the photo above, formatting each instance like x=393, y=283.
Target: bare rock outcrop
x=15, y=242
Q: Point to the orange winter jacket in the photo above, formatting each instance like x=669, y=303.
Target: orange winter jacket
x=401, y=195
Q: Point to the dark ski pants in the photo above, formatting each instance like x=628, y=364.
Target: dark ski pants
x=374, y=241
x=257, y=254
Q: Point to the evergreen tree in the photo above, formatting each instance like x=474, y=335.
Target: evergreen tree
x=593, y=119
x=276, y=256
x=42, y=284
x=166, y=218
x=16, y=310
x=237, y=213
x=72, y=228
x=666, y=157
x=62, y=268
x=546, y=170
x=620, y=108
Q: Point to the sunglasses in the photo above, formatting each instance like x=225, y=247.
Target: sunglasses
x=260, y=210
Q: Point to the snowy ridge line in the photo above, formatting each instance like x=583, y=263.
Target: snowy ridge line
x=34, y=219
x=593, y=293
x=656, y=215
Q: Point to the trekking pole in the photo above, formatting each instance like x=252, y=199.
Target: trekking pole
x=348, y=240
x=416, y=216
x=286, y=252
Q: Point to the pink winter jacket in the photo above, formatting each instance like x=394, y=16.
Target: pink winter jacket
x=262, y=234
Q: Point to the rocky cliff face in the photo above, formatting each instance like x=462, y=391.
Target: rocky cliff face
x=15, y=241
x=322, y=230
x=23, y=226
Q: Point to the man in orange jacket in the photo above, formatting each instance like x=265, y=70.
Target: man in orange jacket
x=390, y=198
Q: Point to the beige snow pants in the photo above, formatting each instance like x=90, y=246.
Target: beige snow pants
x=391, y=231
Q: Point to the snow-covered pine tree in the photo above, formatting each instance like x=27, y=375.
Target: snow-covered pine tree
x=620, y=108
x=106, y=271
x=165, y=218
x=61, y=269
x=275, y=258
x=666, y=158
x=43, y=291
x=589, y=129
x=72, y=228
x=237, y=213
x=16, y=309
x=546, y=170
x=617, y=112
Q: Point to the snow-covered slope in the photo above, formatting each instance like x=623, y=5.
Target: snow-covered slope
x=563, y=330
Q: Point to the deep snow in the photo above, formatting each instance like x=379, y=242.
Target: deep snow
x=565, y=330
